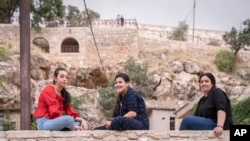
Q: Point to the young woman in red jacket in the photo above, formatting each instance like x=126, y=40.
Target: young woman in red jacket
x=54, y=111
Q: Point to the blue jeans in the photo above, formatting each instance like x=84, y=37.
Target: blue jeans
x=57, y=124
x=197, y=123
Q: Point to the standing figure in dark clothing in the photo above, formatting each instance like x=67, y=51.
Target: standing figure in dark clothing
x=130, y=110
x=122, y=20
x=213, y=111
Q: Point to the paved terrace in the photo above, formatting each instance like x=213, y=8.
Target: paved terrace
x=140, y=135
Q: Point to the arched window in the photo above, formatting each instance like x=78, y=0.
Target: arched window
x=42, y=43
x=69, y=45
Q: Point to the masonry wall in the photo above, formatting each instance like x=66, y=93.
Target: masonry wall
x=152, y=135
x=113, y=43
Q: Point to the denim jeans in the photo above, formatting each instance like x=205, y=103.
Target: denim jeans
x=197, y=123
x=124, y=123
x=56, y=124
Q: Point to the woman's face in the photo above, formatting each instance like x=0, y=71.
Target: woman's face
x=61, y=79
x=205, y=84
x=121, y=86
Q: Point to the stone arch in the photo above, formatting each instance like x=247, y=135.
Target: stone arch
x=69, y=45
x=42, y=43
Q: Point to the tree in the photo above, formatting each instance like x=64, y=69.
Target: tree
x=76, y=18
x=180, y=31
x=41, y=10
x=238, y=39
x=92, y=14
x=46, y=10
x=7, y=10
x=73, y=16
x=52, y=13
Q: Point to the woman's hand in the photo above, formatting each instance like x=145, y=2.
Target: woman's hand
x=218, y=131
x=107, y=124
x=84, y=124
x=78, y=128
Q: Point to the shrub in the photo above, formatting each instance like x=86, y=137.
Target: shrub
x=4, y=52
x=138, y=74
x=225, y=61
x=33, y=126
x=241, y=112
x=7, y=123
x=77, y=101
x=2, y=81
x=107, y=98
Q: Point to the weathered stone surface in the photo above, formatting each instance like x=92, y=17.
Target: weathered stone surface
x=139, y=135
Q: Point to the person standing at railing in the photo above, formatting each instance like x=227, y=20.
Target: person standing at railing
x=122, y=20
x=118, y=20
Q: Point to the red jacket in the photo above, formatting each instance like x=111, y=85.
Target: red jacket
x=50, y=105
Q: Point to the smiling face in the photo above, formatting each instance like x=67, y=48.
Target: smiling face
x=205, y=84
x=121, y=86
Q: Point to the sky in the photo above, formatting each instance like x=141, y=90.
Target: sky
x=219, y=15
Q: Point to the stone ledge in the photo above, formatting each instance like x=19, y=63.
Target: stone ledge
x=129, y=135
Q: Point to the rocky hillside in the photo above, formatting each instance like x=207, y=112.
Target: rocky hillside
x=177, y=66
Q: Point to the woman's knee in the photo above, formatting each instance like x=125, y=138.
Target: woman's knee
x=68, y=119
x=188, y=118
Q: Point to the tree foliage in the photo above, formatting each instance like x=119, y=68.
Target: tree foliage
x=238, y=39
x=7, y=10
x=180, y=32
x=92, y=14
x=47, y=12
x=74, y=17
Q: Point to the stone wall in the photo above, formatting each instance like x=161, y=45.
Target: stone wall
x=114, y=43
x=151, y=135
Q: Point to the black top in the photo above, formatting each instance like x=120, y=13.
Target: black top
x=209, y=106
x=132, y=101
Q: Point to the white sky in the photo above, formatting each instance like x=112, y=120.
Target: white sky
x=209, y=14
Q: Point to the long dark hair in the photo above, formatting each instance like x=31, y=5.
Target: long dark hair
x=210, y=76
x=64, y=93
x=119, y=98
